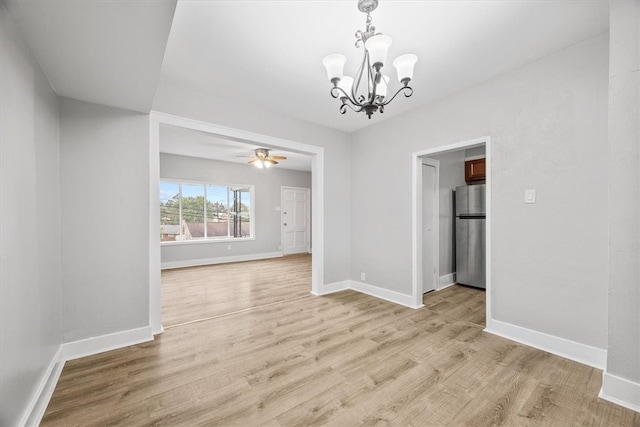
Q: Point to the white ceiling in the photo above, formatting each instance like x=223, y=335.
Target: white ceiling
x=269, y=52
x=187, y=142
x=103, y=51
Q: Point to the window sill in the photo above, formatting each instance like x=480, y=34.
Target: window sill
x=200, y=242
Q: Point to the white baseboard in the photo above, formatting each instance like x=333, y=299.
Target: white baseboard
x=385, y=294
x=40, y=399
x=365, y=288
x=333, y=287
x=446, y=281
x=94, y=345
x=218, y=260
x=572, y=350
x=620, y=391
x=74, y=350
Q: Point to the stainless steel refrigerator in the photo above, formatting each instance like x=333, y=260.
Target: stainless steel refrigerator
x=470, y=235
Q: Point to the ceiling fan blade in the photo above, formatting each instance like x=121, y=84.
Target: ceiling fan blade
x=278, y=157
x=252, y=161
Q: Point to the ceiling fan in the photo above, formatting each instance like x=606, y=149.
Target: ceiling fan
x=262, y=158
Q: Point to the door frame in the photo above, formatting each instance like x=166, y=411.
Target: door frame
x=308, y=191
x=416, y=249
x=436, y=223
x=317, y=204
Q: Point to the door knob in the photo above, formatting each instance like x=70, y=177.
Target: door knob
x=285, y=224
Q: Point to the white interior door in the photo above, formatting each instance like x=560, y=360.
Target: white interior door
x=295, y=220
x=428, y=227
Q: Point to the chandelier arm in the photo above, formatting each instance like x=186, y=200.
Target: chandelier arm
x=339, y=89
x=343, y=108
x=403, y=88
x=356, y=86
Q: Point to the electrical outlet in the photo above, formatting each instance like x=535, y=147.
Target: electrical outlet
x=363, y=277
x=529, y=196
x=228, y=246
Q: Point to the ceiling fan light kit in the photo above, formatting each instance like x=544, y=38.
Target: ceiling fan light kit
x=372, y=97
x=264, y=160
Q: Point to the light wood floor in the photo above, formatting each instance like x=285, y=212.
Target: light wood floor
x=227, y=288
x=346, y=359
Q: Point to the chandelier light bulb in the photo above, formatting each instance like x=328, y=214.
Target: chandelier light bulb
x=378, y=46
x=404, y=65
x=267, y=164
x=334, y=65
x=259, y=164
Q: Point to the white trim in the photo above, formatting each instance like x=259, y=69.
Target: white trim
x=219, y=260
x=374, y=291
x=446, y=281
x=385, y=294
x=480, y=156
x=94, y=345
x=335, y=287
x=207, y=240
x=317, y=195
x=417, y=222
x=568, y=349
x=436, y=221
x=488, y=204
x=154, y=226
x=34, y=412
x=282, y=212
x=620, y=391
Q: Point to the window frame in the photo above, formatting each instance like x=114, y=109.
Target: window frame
x=252, y=231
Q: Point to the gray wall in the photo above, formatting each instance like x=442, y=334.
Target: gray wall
x=623, y=358
x=548, y=128
x=267, y=184
x=104, y=158
x=30, y=283
x=475, y=151
x=451, y=176
x=235, y=114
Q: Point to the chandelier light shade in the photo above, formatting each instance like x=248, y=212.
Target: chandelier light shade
x=383, y=85
x=346, y=83
x=334, y=65
x=377, y=48
x=368, y=90
x=404, y=64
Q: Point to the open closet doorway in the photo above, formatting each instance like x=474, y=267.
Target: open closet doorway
x=438, y=252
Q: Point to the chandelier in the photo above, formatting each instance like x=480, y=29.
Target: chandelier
x=369, y=93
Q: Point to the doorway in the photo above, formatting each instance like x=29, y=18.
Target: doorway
x=425, y=253
x=317, y=195
x=296, y=220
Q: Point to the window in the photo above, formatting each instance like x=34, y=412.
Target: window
x=191, y=212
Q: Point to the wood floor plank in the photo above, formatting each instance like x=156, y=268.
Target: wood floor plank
x=247, y=345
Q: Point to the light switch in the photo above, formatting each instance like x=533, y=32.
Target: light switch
x=529, y=196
